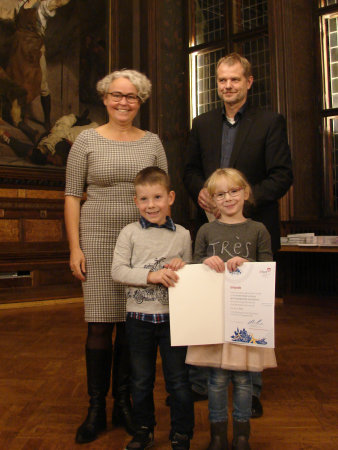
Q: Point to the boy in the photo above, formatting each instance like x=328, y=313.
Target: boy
x=146, y=257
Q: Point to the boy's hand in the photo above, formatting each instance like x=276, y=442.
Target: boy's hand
x=233, y=263
x=167, y=277
x=175, y=264
x=216, y=263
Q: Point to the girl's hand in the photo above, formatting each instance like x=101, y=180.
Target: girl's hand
x=175, y=264
x=167, y=277
x=77, y=264
x=233, y=263
x=216, y=263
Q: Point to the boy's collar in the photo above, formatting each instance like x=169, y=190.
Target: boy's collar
x=169, y=224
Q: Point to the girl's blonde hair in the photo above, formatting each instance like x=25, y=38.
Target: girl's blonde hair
x=233, y=175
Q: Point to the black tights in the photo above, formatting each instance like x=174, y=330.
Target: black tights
x=100, y=335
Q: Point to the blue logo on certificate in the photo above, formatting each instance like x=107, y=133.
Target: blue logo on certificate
x=246, y=338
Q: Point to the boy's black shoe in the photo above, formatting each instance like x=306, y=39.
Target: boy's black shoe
x=256, y=408
x=144, y=438
x=180, y=441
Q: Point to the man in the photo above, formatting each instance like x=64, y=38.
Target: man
x=249, y=139
x=13, y=102
x=27, y=62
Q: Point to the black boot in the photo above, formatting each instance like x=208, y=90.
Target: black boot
x=218, y=433
x=98, y=379
x=82, y=119
x=241, y=435
x=122, y=411
x=46, y=106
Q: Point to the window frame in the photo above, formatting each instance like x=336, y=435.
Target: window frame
x=327, y=112
x=230, y=41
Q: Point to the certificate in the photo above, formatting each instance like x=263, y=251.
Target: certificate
x=207, y=307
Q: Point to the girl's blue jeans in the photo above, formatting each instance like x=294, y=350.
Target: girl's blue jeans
x=218, y=383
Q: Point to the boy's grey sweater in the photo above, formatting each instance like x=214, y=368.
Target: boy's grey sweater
x=139, y=251
x=249, y=240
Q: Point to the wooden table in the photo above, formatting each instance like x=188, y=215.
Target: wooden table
x=308, y=249
x=307, y=270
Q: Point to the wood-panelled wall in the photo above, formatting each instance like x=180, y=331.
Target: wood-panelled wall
x=33, y=246
x=164, y=59
x=294, y=82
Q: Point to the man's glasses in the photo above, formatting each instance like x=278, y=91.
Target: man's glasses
x=118, y=96
x=232, y=192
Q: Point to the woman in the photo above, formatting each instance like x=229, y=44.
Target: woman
x=106, y=159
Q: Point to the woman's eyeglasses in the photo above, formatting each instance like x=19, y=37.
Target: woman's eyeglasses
x=118, y=96
x=232, y=193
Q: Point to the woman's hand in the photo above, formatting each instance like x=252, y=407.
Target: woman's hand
x=77, y=260
x=233, y=263
x=77, y=264
x=215, y=263
x=175, y=264
x=167, y=277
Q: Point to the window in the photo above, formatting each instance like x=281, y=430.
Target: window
x=328, y=26
x=218, y=27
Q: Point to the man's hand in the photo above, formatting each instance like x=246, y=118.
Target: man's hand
x=216, y=263
x=167, y=277
x=207, y=203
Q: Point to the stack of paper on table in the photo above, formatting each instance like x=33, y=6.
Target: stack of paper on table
x=309, y=239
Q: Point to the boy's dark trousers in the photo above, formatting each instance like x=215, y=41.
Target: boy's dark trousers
x=144, y=339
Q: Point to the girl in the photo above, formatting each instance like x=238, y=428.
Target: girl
x=232, y=239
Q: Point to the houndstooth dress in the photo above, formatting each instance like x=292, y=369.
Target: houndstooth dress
x=108, y=168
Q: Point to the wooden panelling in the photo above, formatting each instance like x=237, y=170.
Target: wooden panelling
x=164, y=59
x=36, y=193
x=8, y=193
x=51, y=277
x=328, y=227
x=42, y=230
x=307, y=272
x=9, y=230
x=33, y=240
x=15, y=282
x=31, y=193
x=294, y=81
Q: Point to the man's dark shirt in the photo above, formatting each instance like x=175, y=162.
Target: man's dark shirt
x=229, y=135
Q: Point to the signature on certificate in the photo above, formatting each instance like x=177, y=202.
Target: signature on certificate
x=256, y=323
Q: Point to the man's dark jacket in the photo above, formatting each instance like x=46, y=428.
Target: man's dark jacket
x=261, y=152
